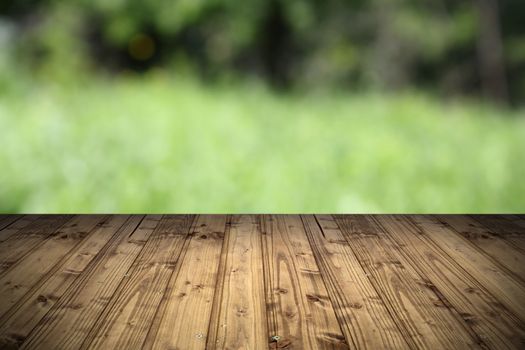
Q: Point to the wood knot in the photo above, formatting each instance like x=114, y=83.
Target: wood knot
x=356, y=305
x=334, y=338
x=6, y=265
x=75, y=306
x=428, y=284
x=397, y=263
x=468, y=318
x=493, y=314
x=438, y=303
x=14, y=338
x=289, y=314
x=41, y=299
x=313, y=298
x=170, y=264
x=281, y=344
x=497, y=305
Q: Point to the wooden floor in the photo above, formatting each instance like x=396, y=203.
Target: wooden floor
x=262, y=281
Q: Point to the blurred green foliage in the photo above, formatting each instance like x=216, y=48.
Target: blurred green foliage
x=164, y=144
x=450, y=47
x=261, y=106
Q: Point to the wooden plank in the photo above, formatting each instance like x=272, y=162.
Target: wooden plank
x=494, y=326
x=431, y=281
x=499, y=224
x=38, y=263
x=518, y=220
x=239, y=312
x=184, y=315
x=7, y=219
x=506, y=229
x=299, y=311
x=490, y=244
x=68, y=322
x=14, y=248
x=422, y=319
x=15, y=227
x=125, y=322
x=495, y=280
x=24, y=315
x=361, y=312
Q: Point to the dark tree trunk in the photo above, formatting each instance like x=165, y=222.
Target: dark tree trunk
x=276, y=46
x=490, y=51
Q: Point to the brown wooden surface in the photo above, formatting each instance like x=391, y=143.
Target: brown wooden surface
x=262, y=281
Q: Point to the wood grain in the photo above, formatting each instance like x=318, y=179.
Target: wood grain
x=424, y=322
x=127, y=319
x=32, y=270
x=239, y=315
x=6, y=220
x=508, y=291
x=262, y=281
x=14, y=248
x=25, y=312
x=300, y=311
x=68, y=322
x=509, y=230
x=191, y=288
x=518, y=220
x=15, y=227
x=499, y=250
x=490, y=324
x=361, y=311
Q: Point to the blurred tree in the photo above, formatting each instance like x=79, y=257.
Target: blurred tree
x=473, y=47
x=490, y=48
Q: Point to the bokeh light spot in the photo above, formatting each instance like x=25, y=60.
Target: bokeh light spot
x=141, y=47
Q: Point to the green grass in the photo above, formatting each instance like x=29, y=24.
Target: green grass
x=162, y=145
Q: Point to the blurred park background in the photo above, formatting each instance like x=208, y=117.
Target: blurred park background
x=223, y=106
